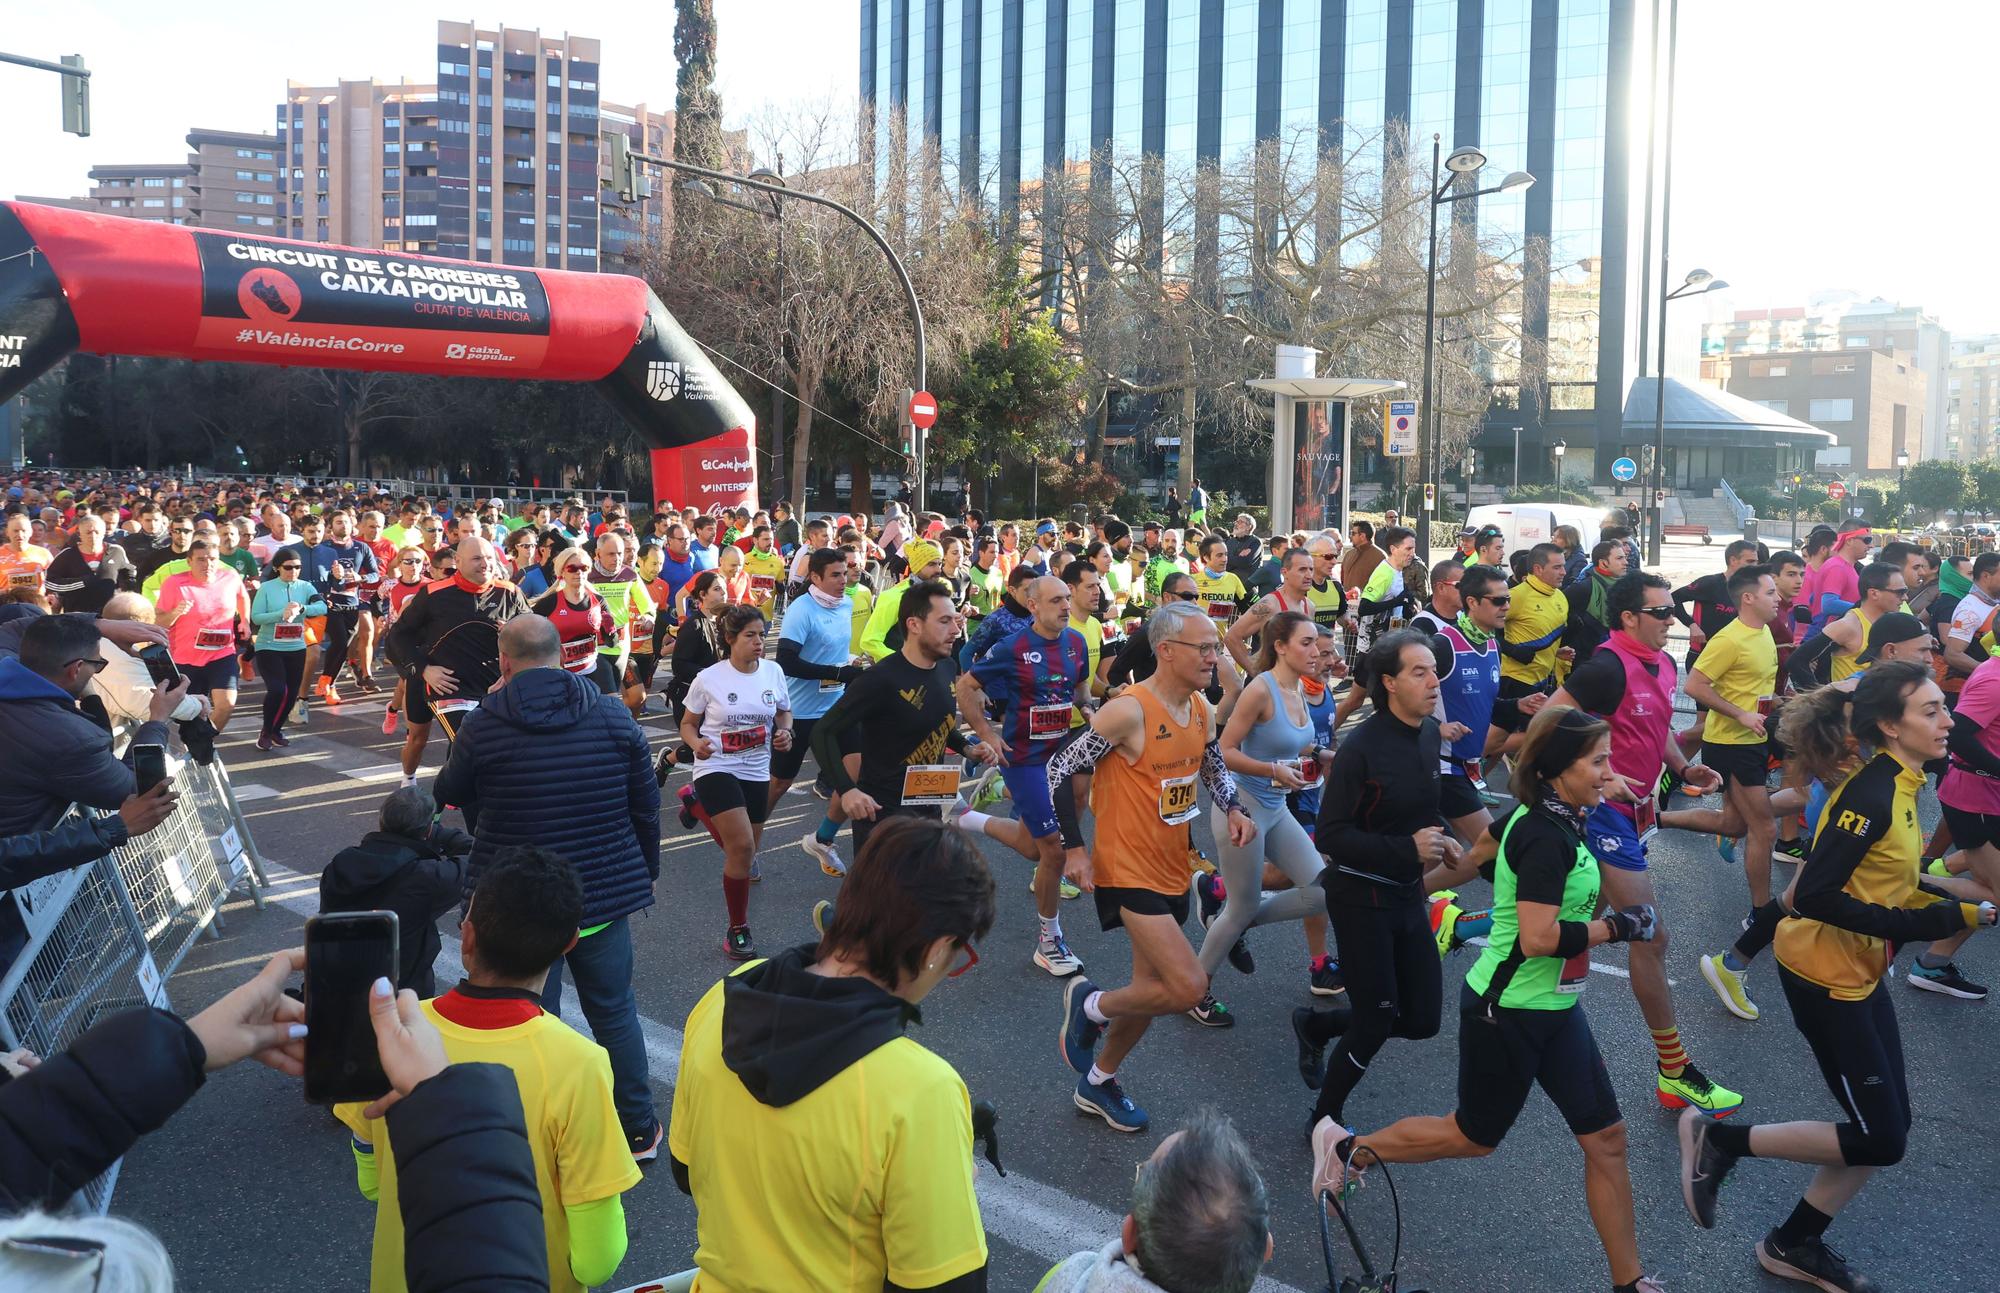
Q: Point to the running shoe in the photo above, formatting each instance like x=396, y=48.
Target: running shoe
x=822, y=916
x=1327, y=980
x=1730, y=986
x=388, y=722
x=281, y=739
x=1947, y=980
x=1108, y=1101
x=329, y=693
x=1473, y=929
x=736, y=943
x=1726, y=846
x=1811, y=1261
x=1210, y=1013
x=1332, y=1173
x=821, y=789
x=824, y=854
x=1444, y=914
x=1312, y=1065
x=756, y=870
x=1936, y=866
x=1703, y=1167
x=1053, y=955
x=646, y=1144
x=1080, y=1033
x=264, y=741
x=988, y=790
x=1208, y=898
x=1066, y=887
x=1240, y=958
x=1669, y=783
x=1795, y=849
x=1694, y=1090
x=302, y=711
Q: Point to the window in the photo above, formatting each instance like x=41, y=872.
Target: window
x=391, y=174
x=178, y=183
x=1831, y=411
x=246, y=152
x=1778, y=406
x=1775, y=370
x=428, y=219
x=246, y=197
x=154, y=183
x=1855, y=342
x=263, y=200
x=246, y=175
x=180, y=201
x=154, y=202
x=264, y=177
x=264, y=156
x=265, y=222
x=246, y=219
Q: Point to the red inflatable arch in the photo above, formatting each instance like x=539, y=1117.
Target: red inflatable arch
x=74, y=280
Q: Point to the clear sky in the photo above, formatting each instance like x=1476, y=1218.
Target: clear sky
x=1821, y=144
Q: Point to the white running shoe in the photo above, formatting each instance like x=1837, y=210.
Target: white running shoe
x=824, y=854
x=1053, y=955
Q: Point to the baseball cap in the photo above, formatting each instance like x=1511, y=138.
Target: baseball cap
x=1468, y=532
x=1889, y=629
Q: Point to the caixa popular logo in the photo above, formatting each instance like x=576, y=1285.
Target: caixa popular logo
x=663, y=379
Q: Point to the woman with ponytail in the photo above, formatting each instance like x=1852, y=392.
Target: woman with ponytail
x=1521, y=1022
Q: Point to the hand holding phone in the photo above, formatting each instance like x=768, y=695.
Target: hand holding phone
x=346, y=953
x=149, y=765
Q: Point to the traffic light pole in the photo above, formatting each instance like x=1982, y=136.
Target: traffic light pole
x=627, y=180
x=75, y=87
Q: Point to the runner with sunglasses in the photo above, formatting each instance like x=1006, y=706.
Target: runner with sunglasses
x=410, y=570
x=282, y=606
x=582, y=620
x=1146, y=749
x=1293, y=593
x=1629, y=682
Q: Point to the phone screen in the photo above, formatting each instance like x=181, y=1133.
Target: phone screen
x=345, y=954
x=160, y=665
x=149, y=764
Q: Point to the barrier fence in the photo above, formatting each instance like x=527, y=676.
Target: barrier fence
x=106, y=936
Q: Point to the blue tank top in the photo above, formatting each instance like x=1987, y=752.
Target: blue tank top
x=1275, y=740
x=1306, y=802
x=1469, y=692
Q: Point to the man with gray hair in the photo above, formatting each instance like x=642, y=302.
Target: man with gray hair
x=1200, y=1222
x=410, y=864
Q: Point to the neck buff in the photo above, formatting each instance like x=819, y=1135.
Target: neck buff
x=826, y=600
x=1645, y=653
x=1477, y=636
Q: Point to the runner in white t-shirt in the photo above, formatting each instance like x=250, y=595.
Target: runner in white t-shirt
x=737, y=712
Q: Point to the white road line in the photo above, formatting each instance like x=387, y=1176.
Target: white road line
x=1623, y=973
x=379, y=772
x=1023, y=1213
x=251, y=791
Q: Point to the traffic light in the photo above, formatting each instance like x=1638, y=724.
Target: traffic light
x=75, y=98
x=627, y=182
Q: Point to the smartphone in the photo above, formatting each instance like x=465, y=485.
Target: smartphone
x=345, y=953
x=149, y=762
x=160, y=665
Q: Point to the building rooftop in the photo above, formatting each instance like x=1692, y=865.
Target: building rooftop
x=1705, y=415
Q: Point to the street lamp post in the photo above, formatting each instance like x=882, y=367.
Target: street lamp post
x=1559, y=448
x=781, y=191
x=1697, y=282
x=1463, y=161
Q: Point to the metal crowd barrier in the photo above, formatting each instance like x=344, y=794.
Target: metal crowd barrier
x=106, y=936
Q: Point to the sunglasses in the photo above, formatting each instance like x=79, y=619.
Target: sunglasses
x=574, y=569
x=1185, y=597
x=289, y=565
x=1661, y=613
x=1504, y=599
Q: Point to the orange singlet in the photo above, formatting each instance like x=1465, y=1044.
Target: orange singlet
x=1145, y=806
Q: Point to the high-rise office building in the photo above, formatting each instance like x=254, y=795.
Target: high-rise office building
x=1972, y=407
x=497, y=159
x=1006, y=90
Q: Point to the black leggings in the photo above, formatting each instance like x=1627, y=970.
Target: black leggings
x=1860, y=1054
x=339, y=632
x=283, y=672
x=1395, y=987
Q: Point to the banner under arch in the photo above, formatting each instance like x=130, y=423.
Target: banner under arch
x=76, y=280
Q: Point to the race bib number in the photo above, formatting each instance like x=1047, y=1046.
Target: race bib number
x=1309, y=770
x=288, y=632
x=1575, y=971
x=830, y=684
x=739, y=740
x=456, y=705
x=579, y=655
x=1646, y=819
x=1048, y=721
x=763, y=585
x=1222, y=611
x=930, y=785
x=24, y=578
x=1474, y=774
x=214, y=639
x=1177, y=800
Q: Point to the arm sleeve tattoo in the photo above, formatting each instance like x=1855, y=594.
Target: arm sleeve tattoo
x=1215, y=775
x=1080, y=755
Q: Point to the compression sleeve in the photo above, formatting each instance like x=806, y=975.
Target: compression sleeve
x=1079, y=756
x=596, y=1239
x=1804, y=667
x=1524, y=652
x=793, y=665
x=1572, y=938
x=1216, y=776
x=1967, y=748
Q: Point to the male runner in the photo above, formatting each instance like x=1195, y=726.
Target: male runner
x=1962, y=650
x=1472, y=716
x=1295, y=581
x=1736, y=678
x=1529, y=648
x=1147, y=748
x=1630, y=684
x=1447, y=598
x=766, y=569
x=1036, y=677
x=814, y=654
x=430, y=657
x=374, y=601
x=631, y=607
x=1328, y=598
x=339, y=567
x=1709, y=598
x=1222, y=593
x=1382, y=606
x=1834, y=654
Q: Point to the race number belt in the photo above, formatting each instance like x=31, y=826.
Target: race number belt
x=455, y=705
x=736, y=740
x=1575, y=973
x=213, y=639
x=288, y=632
x=831, y=684
x=1473, y=773
x=1177, y=800
x=1221, y=610
x=1646, y=818
x=579, y=655
x=1047, y=721
x=930, y=785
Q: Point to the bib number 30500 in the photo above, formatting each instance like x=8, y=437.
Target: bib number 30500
x=1177, y=800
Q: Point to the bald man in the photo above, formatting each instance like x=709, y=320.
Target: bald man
x=436, y=662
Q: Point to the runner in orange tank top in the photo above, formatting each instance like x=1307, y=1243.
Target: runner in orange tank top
x=1148, y=748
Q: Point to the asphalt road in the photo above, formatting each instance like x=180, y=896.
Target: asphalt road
x=253, y=1189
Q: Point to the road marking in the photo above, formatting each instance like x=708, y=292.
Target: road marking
x=1624, y=974
x=379, y=772
x=1026, y=1214
x=251, y=791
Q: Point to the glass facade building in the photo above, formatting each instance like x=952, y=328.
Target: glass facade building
x=1006, y=90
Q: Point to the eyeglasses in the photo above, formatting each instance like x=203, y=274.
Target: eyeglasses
x=1502, y=599
x=1661, y=613
x=1448, y=583
x=96, y=662
x=411, y=561
x=574, y=569
x=971, y=955
x=1206, y=650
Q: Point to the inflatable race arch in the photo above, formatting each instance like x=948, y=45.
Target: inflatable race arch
x=75, y=280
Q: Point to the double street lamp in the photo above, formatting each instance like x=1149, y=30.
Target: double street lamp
x=1463, y=161
x=1697, y=282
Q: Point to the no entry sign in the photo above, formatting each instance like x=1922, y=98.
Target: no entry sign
x=923, y=410
x=1836, y=491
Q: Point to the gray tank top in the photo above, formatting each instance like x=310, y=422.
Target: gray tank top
x=1275, y=740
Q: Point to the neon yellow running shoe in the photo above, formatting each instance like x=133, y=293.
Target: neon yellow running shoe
x=1067, y=889
x=1444, y=915
x=1692, y=1088
x=1729, y=987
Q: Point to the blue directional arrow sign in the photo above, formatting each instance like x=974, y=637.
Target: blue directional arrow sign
x=1624, y=469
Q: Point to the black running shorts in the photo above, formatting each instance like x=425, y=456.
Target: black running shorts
x=1112, y=904
x=720, y=792
x=1969, y=830
x=1503, y=1054
x=1747, y=765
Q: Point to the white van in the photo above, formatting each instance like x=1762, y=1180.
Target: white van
x=1526, y=524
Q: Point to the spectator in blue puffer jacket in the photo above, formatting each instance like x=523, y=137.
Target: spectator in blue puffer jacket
x=549, y=760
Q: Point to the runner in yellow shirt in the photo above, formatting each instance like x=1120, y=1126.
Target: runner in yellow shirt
x=1222, y=592
x=767, y=571
x=1736, y=677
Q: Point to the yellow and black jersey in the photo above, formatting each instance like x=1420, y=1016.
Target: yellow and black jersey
x=1857, y=894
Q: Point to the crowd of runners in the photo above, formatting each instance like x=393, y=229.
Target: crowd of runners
x=1368, y=735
